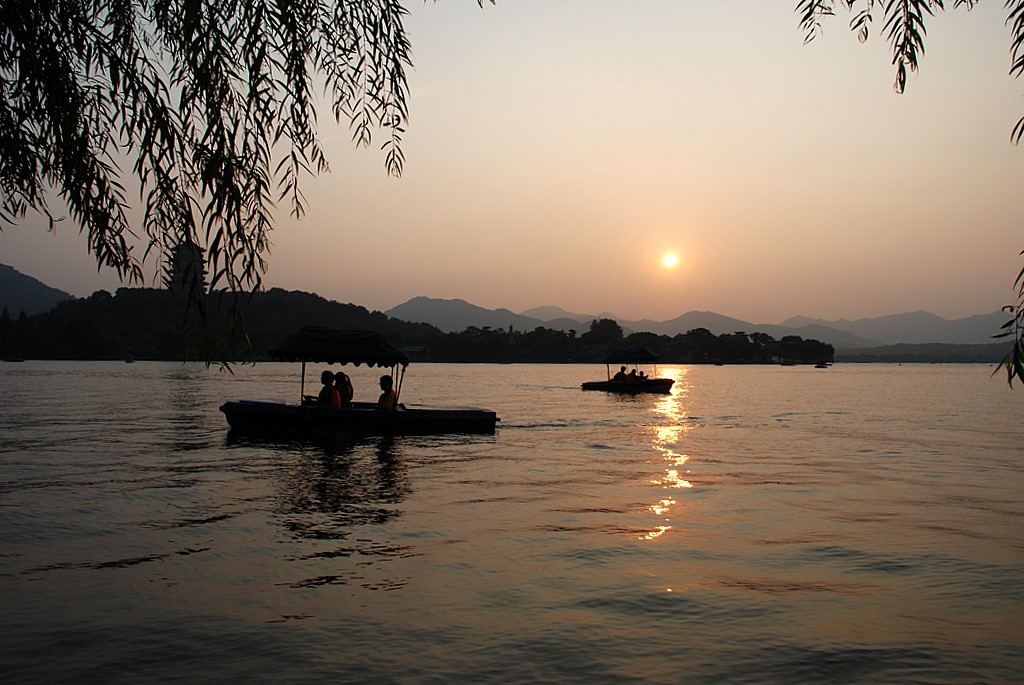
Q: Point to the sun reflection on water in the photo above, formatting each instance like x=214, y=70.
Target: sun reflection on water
x=663, y=506
x=656, y=533
x=668, y=437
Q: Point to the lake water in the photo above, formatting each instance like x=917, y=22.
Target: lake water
x=857, y=524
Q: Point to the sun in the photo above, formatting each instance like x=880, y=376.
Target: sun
x=669, y=260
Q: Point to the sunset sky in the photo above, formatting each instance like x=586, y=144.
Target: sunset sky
x=559, y=149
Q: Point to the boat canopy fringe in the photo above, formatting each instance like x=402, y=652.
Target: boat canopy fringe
x=335, y=346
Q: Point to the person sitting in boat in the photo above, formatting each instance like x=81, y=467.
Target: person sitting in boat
x=343, y=384
x=388, y=398
x=328, y=396
x=631, y=376
x=643, y=376
x=621, y=375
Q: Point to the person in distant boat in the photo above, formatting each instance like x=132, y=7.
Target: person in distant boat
x=328, y=396
x=343, y=384
x=643, y=376
x=388, y=398
x=621, y=375
x=631, y=376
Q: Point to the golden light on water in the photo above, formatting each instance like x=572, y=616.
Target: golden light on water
x=672, y=479
x=656, y=533
x=667, y=439
x=662, y=507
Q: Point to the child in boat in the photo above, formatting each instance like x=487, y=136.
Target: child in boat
x=388, y=398
x=343, y=384
x=328, y=396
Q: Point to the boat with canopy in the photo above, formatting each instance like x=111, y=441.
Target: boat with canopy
x=329, y=346
x=632, y=382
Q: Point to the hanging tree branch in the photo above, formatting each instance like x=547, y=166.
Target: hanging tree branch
x=905, y=30
x=210, y=102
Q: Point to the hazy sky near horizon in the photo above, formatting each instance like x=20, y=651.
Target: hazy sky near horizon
x=557, y=150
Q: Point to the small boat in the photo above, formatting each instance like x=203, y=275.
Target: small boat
x=328, y=345
x=633, y=383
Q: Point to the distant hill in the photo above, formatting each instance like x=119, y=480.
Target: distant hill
x=929, y=353
x=551, y=313
x=453, y=316
x=837, y=338
x=150, y=323
x=21, y=293
x=716, y=323
x=915, y=328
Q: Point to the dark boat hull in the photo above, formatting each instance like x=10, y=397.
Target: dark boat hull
x=277, y=418
x=655, y=385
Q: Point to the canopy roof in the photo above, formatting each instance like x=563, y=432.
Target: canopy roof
x=630, y=355
x=330, y=345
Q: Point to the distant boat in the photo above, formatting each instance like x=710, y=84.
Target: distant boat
x=632, y=383
x=306, y=419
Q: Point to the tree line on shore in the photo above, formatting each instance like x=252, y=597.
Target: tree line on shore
x=144, y=323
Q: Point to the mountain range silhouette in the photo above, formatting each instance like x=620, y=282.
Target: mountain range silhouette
x=23, y=293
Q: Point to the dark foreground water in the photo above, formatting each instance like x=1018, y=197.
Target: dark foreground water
x=859, y=524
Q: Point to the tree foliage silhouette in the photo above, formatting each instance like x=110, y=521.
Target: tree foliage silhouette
x=211, y=104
